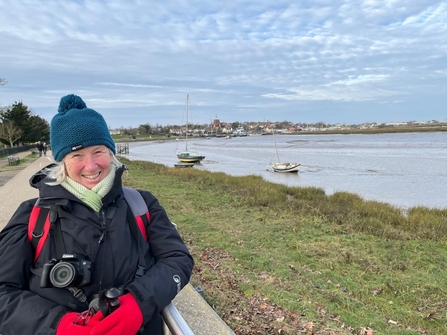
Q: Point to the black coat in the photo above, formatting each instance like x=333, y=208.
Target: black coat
x=39, y=146
x=26, y=308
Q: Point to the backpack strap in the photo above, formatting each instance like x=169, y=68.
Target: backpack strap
x=41, y=224
x=139, y=209
x=137, y=212
x=38, y=228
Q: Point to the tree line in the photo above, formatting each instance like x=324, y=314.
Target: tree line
x=19, y=125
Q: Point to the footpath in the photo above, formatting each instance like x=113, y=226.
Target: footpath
x=200, y=317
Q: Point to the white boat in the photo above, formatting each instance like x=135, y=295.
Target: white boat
x=188, y=156
x=282, y=167
x=285, y=167
x=240, y=132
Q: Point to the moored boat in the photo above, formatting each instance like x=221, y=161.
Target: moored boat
x=282, y=167
x=188, y=156
x=285, y=167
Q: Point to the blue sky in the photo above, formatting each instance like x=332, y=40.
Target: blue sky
x=344, y=61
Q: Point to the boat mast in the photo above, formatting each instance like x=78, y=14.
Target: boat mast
x=186, y=138
x=276, y=148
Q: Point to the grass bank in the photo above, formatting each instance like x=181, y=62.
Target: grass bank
x=274, y=259
x=378, y=130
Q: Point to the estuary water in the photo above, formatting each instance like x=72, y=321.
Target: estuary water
x=403, y=169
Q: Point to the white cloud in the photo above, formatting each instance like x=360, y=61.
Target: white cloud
x=226, y=55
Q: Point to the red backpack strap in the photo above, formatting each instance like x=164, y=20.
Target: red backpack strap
x=38, y=228
x=139, y=209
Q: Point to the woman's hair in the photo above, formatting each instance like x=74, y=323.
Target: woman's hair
x=58, y=173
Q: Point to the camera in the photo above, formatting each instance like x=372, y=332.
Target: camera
x=72, y=270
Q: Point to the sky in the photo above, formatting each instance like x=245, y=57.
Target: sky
x=135, y=61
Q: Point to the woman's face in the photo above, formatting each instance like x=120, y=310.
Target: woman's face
x=89, y=166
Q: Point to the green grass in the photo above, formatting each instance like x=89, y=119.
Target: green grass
x=338, y=261
x=26, y=160
x=144, y=137
x=383, y=130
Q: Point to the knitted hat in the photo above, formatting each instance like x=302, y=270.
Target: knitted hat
x=75, y=127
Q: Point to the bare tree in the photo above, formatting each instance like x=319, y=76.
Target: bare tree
x=10, y=132
x=2, y=82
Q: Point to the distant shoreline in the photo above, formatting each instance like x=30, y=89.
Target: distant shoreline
x=384, y=130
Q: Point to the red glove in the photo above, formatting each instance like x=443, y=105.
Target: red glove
x=74, y=323
x=125, y=320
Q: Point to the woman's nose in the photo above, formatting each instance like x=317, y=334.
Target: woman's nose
x=90, y=162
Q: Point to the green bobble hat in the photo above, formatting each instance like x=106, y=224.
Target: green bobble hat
x=75, y=127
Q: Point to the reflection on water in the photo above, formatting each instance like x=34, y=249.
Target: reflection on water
x=405, y=170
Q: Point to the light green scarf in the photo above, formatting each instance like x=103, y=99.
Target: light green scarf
x=93, y=197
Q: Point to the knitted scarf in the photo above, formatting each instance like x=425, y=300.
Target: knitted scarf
x=93, y=197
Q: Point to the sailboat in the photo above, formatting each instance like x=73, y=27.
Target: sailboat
x=188, y=156
x=283, y=167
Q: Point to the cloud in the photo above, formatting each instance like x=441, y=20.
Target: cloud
x=229, y=56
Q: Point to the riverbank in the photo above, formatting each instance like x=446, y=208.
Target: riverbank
x=375, y=130
x=274, y=259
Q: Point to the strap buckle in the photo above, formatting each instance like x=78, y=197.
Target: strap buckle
x=140, y=271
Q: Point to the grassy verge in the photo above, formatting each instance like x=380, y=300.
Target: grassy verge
x=24, y=161
x=279, y=260
x=384, y=130
x=30, y=158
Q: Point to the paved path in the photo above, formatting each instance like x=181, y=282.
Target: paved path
x=194, y=309
x=18, y=189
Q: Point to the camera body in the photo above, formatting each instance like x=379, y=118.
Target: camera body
x=72, y=270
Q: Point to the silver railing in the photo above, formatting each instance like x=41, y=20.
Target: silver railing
x=174, y=322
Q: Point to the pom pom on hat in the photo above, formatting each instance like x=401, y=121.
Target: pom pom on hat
x=70, y=102
x=75, y=127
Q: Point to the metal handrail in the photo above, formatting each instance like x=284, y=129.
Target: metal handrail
x=172, y=318
x=174, y=321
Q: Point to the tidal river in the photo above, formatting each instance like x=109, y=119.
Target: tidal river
x=405, y=169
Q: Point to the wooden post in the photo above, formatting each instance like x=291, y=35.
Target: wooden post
x=122, y=149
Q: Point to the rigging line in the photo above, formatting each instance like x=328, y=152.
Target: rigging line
x=185, y=112
x=276, y=148
x=186, y=138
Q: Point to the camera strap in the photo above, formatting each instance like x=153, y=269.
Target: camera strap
x=78, y=293
x=56, y=231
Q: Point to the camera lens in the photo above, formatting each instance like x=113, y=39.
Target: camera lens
x=62, y=274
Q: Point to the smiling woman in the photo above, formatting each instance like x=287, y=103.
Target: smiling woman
x=99, y=243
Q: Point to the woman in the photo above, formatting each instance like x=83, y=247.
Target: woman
x=90, y=223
